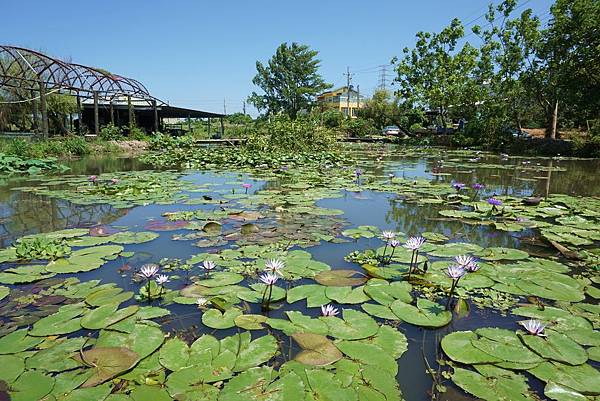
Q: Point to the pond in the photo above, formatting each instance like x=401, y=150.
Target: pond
x=85, y=315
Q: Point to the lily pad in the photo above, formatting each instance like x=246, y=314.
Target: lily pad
x=107, y=362
x=317, y=350
x=426, y=313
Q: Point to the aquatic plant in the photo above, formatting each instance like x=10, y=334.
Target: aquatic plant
x=414, y=244
x=495, y=203
x=269, y=279
x=458, y=186
x=148, y=271
x=455, y=272
x=161, y=280
x=246, y=186
x=533, y=327
x=329, y=310
x=274, y=266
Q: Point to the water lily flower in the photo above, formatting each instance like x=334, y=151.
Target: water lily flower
x=534, y=327
x=208, y=265
x=162, y=279
x=458, y=186
x=247, y=186
x=394, y=243
x=358, y=172
x=494, y=202
x=329, y=310
x=414, y=243
x=455, y=272
x=472, y=267
x=274, y=266
x=268, y=278
x=149, y=270
x=477, y=186
x=114, y=181
x=388, y=235
x=92, y=179
x=464, y=260
x=201, y=302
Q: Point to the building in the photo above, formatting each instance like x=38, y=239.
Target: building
x=342, y=99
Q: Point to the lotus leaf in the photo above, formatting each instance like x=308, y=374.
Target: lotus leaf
x=317, y=350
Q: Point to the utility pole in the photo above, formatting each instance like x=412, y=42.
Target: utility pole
x=244, y=107
x=358, y=96
x=348, y=80
x=383, y=77
x=224, y=107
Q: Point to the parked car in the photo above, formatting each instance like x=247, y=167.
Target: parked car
x=391, y=130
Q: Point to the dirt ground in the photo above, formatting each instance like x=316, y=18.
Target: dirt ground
x=131, y=147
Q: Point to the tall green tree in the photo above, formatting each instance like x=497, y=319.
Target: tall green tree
x=437, y=74
x=566, y=71
x=290, y=81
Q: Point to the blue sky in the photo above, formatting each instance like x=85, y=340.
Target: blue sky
x=196, y=53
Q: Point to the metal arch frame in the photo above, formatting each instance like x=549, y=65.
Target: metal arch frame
x=27, y=69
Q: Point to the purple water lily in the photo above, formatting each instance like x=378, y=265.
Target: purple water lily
x=328, y=310
x=458, y=186
x=414, y=244
x=494, y=202
x=455, y=272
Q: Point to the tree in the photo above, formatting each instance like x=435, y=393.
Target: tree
x=438, y=75
x=508, y=46
x=567, y=67
x=290, y=81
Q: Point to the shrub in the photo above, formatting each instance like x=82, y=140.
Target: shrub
x=358, y=127
x=111, y=132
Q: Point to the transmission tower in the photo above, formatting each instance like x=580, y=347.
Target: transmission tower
x=383, y=77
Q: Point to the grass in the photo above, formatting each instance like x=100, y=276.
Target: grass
x=62, y=147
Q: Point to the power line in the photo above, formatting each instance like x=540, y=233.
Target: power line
x=383, y=77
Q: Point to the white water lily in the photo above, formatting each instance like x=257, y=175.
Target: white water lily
x=149, y=270
x=162, y=279
x=394, y=243
x=208, y=265
x=464, y=260
x=201, y=302
x=274, y=266
x=414, y=243
x=388, y=235
x=534, y=327
x=268, y=278
x=329, y=310
x=455, y=272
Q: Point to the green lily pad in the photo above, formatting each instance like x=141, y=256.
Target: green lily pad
x=107, y=315
x=492, y=388
x=216, y=319
x=18, y=341
x=317, y=350
x=339, y=278
x=557, y=347
x=66, y=320
x=582, y=378
x=107, y=362
x=504, y=345
x=426, y=313
x=458, y=347
x=250, y=321
x=31, y=386
x=354, y=326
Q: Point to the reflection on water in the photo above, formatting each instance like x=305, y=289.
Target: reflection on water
x=25, y=213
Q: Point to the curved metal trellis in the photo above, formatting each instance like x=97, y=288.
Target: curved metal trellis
x=27, y=69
